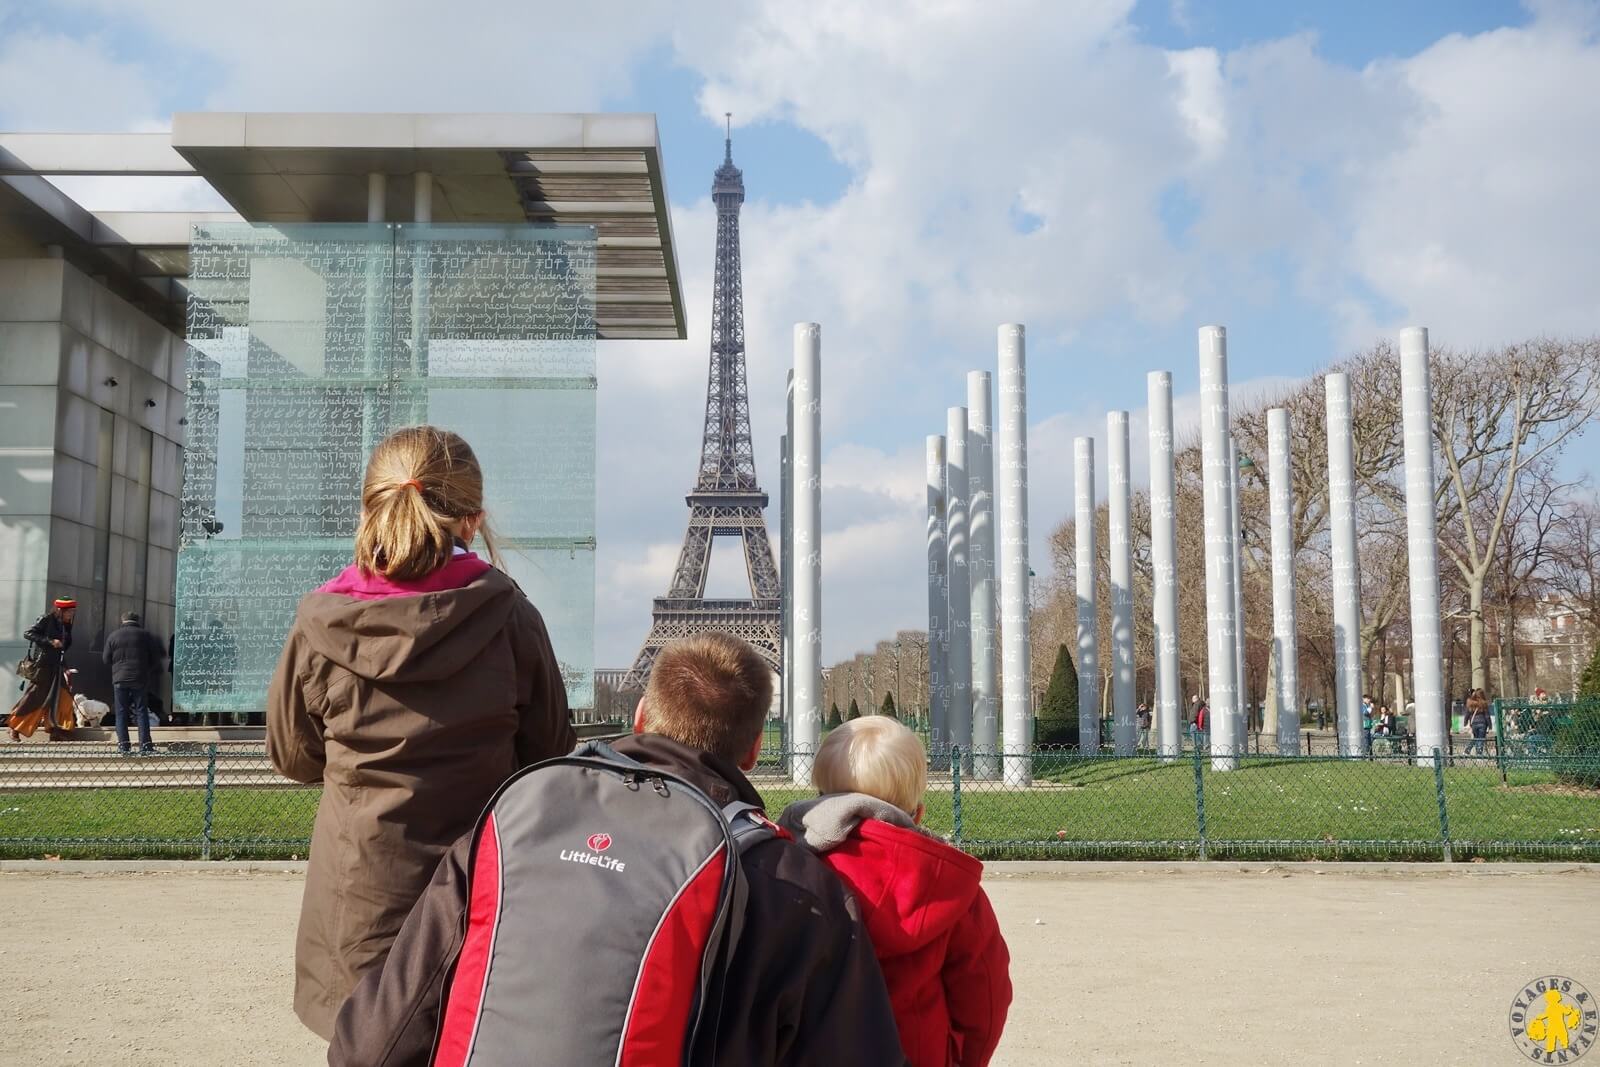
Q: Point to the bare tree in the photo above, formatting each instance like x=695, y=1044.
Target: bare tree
x=1575, y=557
x=1496, y=417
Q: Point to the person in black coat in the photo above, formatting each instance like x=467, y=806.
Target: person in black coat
x=47, y=699
x=134, y=655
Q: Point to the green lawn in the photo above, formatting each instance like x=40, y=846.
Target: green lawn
x=1108, y=808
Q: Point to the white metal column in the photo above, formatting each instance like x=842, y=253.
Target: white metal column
x=1083, y=565
x=1241, y=729
x=1346, y=567
x=959, y=659
x=1125, y=731
x=1427, y=680
x=1285, y=638
x=1220, y=618
x=980, y=561
x=808, y=546
x=1012, y=486
x=938, y=605
x=1164, y=567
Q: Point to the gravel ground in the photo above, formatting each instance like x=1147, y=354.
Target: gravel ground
x=1148, y=964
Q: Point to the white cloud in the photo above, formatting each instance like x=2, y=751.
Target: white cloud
x=54, y=82
x=1481, y=221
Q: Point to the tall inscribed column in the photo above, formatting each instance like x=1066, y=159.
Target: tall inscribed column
x=1241, y=729
x=1012, y=485
x=1416, y=401
x=959, y=659
x=1124, y=729
x=980, y=561
x=1164, y=567
x=785, y=573
x=1285, y=639
x=786, y=531
x=808, y=546
x=938, y=606
x=1220, y=608
x=1083, y=565
x=1346, y=568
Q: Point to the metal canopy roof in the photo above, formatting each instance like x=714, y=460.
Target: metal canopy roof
x=601, y=170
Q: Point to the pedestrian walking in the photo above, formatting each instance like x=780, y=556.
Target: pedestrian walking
x=410, y=686
x=134, y=655
x=1144, y=726
x=47, y=694
x=1478, y=721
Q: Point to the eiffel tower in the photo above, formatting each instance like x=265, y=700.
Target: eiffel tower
x=726, y=501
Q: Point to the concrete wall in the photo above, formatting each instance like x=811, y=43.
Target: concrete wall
x=90, y=472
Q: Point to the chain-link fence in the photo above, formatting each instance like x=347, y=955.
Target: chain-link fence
x=223, y=800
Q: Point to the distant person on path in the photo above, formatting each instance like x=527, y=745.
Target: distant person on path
x=134, y=656
x=1478, y=721
x=410, y=686
x=802, y=988
x=47, y=698
x=931, y=925
x=1366, y=719
x=1144, y=726
x=1200, y=723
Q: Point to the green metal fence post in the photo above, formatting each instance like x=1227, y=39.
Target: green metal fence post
x=1500, y=739
x=955, y=794
x=211, y=795
x=1444, y=811
x=1200, y=800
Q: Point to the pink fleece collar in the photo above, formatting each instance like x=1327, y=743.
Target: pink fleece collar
x=460, y=571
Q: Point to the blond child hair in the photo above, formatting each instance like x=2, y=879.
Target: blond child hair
x=877, y=756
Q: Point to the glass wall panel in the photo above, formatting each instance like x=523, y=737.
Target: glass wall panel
x=310, y=343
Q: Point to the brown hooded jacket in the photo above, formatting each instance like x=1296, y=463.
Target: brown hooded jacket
x=410, y=708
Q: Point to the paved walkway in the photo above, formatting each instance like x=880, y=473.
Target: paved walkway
x=1114, y=963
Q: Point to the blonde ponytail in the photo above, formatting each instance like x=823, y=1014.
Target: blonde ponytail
x=421, y=482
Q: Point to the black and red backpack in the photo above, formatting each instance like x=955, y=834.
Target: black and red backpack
x=605, y=899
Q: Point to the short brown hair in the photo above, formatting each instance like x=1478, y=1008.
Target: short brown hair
x=420, y=481
x=711, y=692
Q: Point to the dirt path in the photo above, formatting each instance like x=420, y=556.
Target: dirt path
x=1134, y=964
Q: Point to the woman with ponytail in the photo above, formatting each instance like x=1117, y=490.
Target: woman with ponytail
x=410, y=686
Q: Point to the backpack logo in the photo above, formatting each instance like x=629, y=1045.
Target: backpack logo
x=594, y=854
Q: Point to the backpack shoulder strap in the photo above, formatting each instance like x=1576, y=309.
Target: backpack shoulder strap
x=748, y=826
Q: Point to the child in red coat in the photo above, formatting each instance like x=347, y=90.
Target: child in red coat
x=931, y=925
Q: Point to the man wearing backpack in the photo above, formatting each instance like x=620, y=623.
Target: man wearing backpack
x=802, y=985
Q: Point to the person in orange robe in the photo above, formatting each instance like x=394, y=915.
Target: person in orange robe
x=48, y=699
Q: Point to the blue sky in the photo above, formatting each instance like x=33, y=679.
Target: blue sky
x=1112, y=173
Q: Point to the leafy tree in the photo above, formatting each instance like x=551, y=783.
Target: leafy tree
x=833, y=716
x=855, y=710
x=1057, y=720
x=888, y=707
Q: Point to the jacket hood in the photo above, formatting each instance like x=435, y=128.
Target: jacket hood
x=420, y=631
x=912, y=887
x=714, y=776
